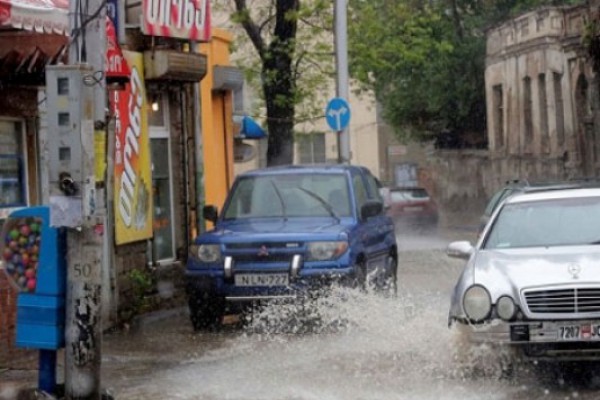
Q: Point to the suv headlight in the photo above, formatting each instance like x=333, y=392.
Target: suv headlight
x=477, y=303
x=322, y=251
x=208, y=253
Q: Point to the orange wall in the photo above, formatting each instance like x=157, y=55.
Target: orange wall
x=217, y=123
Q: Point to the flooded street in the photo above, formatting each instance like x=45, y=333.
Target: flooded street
x=366, y=347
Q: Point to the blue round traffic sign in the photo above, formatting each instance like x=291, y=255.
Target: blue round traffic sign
x=337, y=114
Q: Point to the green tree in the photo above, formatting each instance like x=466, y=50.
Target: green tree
x=425, y=60
x=292, y=58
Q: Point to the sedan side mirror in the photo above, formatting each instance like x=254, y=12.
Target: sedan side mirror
x=370, y=209
x=462, y=249
x=210, y=213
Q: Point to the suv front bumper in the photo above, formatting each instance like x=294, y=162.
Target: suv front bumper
x=308, y=282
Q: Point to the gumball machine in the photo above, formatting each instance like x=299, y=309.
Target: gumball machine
x=33, y=255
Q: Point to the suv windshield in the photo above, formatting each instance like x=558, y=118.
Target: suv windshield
x=557, y=222
x=289, y=195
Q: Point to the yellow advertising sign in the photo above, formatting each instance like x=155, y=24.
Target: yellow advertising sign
x=133, y=176
x=100, y=155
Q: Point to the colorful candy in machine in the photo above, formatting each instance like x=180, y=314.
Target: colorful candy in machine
x=22, y=241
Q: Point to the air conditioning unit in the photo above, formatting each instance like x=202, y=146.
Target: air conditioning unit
x=166, y=64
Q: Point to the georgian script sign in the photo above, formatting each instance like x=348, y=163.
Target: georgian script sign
x=184, y=19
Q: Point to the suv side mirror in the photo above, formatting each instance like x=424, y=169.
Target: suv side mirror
x=210, y=213
x=370, y=209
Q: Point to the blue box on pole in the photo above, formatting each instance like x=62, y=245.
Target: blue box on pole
x=40, y=321
x=34, y=259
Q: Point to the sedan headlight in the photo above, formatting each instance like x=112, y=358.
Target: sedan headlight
x=208, y=253
x=477, y=303
x=322, y=251
x=506, y=308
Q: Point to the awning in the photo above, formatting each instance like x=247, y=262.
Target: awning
x=25, y=55
x=249, y=129
x=44, y=16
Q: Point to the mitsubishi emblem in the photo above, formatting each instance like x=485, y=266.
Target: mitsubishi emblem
x=574, y=270
x=263, y=252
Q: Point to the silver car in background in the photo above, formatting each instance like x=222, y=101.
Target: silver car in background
x=533, y=279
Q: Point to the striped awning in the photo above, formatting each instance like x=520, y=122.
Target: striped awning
x=43, y=16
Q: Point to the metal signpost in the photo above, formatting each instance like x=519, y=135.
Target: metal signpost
x=341, y=60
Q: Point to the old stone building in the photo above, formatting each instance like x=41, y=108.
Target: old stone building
x=541, y=95
x=543, y=110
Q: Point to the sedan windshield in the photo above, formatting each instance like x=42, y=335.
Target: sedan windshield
x=287, y=195
x=557, y=222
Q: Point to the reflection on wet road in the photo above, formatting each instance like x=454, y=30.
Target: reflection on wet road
x=362, y=346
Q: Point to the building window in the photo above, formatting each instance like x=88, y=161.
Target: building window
x=311, y=148
x=498, y=115
x=543, y=99
x=12, y=173
x=527, y=112
x=559, y=108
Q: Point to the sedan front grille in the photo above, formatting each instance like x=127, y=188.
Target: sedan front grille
x=563, y=301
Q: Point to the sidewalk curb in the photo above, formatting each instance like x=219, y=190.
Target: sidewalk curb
x=142, y=321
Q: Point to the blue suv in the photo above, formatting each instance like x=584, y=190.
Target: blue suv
x=285, y=231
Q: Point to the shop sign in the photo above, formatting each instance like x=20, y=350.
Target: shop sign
x=184, y=19
x=133, y=179
x=116, y=66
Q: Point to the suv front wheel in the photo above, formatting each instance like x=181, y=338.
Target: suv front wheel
x=206, y=312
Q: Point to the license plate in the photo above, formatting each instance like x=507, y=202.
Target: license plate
x=583, y=331
x=413, y=209
x=263, y=280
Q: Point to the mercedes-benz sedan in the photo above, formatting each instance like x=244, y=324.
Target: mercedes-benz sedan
x=533, y=278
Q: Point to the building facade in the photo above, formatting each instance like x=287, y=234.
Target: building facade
x=542, y=96
x=187, y=117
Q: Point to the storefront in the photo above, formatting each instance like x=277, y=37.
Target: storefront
x=185, y=149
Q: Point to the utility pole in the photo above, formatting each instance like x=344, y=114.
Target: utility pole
x=341, y=61
x=85, y=243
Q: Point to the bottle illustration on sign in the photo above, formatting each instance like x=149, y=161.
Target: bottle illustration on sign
x=141, y=207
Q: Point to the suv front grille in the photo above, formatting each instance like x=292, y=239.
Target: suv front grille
x=563, y=301
x=278, y=252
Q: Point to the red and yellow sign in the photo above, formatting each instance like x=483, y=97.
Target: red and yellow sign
x=184, y=19
x=133, y=177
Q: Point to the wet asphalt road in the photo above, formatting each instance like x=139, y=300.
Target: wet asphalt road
x=385, y=349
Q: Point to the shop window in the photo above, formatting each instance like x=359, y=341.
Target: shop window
x=12, y=174
x=162, y=247
x=157, y=107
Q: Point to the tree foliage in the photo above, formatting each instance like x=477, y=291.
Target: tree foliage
x=425, y=60
x=291, y=59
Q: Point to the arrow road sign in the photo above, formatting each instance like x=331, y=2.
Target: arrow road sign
x=337, y=114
